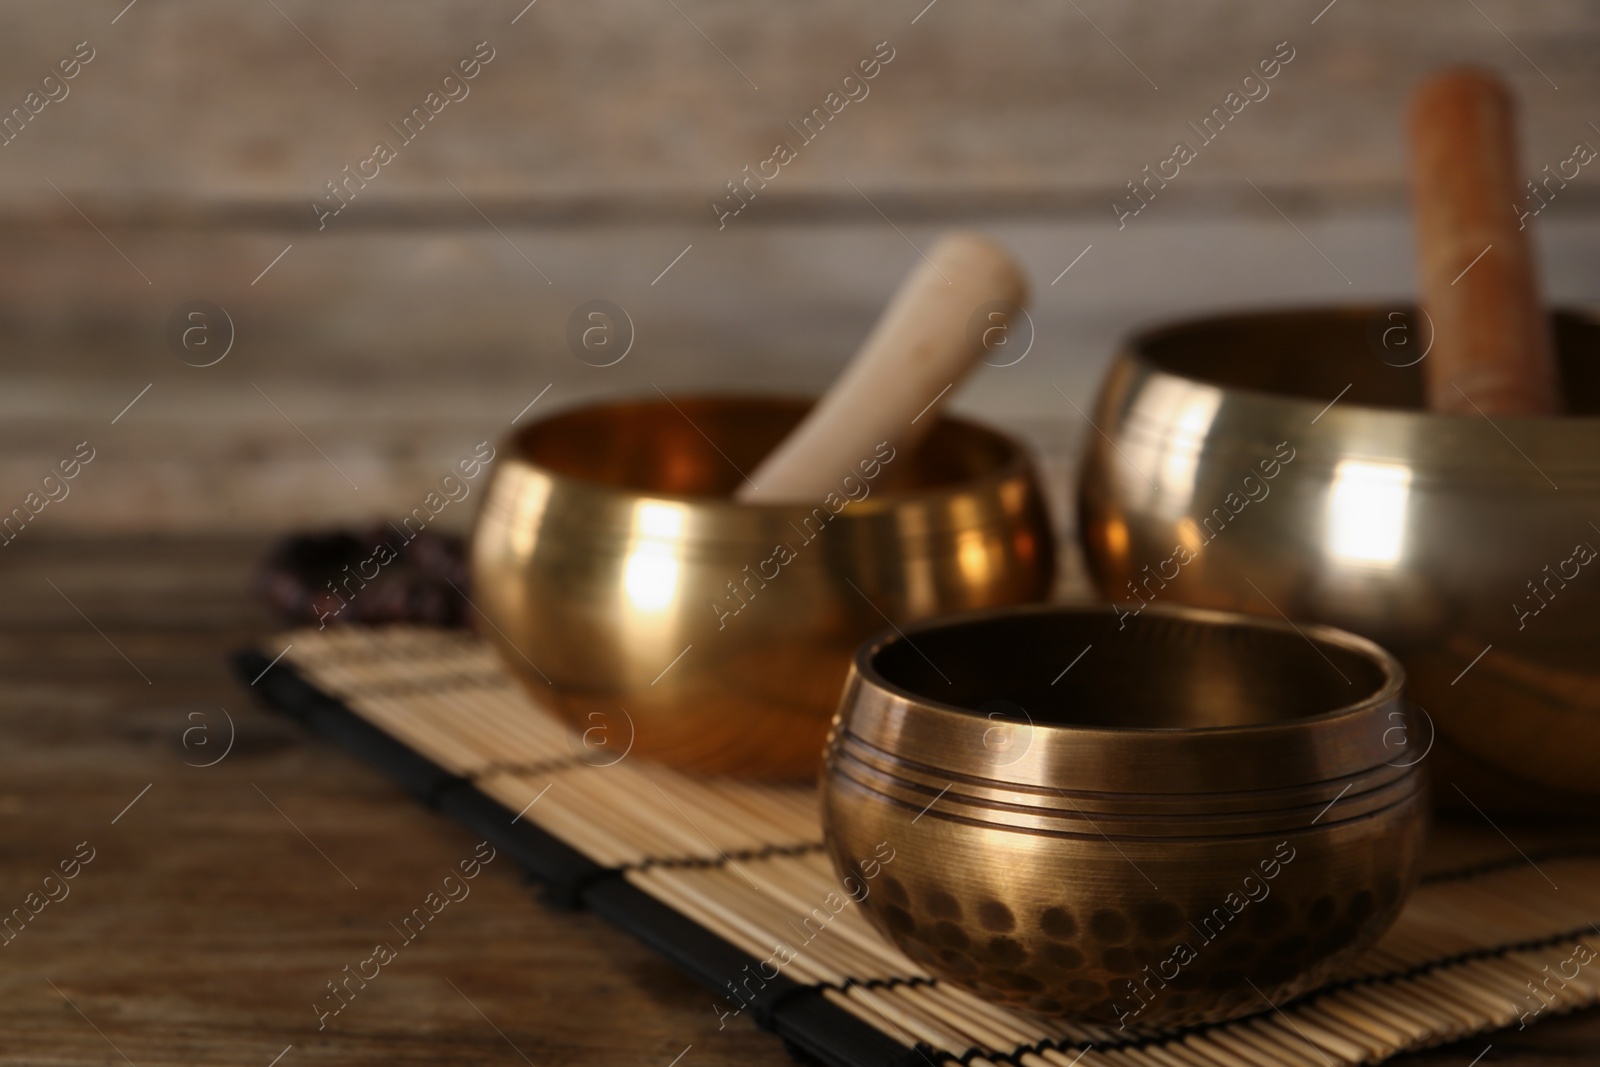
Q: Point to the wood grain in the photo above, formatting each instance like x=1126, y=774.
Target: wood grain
x=206, y=923
x=397, y=351
x=595, y=143
x=1491, y=339
x=630, y=108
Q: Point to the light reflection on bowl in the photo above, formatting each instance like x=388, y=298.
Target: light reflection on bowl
x=631, y=594
x=1444, y=537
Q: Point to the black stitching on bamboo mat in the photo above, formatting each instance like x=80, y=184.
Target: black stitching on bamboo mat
x=287, y=691
x=491, y=678
x=912, y=982
x=462, y=681
x=492, y=768
x=808, y=1024
x=803, y=848
x=1555, y=852
x=446, y=781
x=836, y=1036
x=892, y=981
x=723, y=859
x=1178, y=1034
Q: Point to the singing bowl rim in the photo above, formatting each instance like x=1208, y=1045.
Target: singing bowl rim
x=1325, y=747
x=1017, y=464
x=1136, y=348
x=1393, y=683
x=1443, y=447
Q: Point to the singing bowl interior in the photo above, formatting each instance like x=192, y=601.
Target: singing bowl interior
x=1282, y=463
x=1207, y=671
x=1177, y=712
x=702, y=447
x=1314, y=355
x=629, y=589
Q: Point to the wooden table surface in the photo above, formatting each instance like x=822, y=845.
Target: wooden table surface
x=219, y=903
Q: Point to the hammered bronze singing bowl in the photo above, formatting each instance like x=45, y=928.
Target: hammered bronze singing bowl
x=1226, y=479
x=1142, y=822
x=632, y=595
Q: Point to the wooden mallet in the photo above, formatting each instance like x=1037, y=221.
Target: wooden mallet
x=1491, y=340
x=919, y=350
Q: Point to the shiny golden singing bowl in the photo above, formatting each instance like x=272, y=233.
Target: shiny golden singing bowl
x=1142, y=822
x=1225, y=479
x=632, y=595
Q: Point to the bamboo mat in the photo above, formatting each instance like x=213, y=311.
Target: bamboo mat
x=745, y=862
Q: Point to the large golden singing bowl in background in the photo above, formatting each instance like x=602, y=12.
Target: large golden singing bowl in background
x=1125, y=821
x=631, y=594
x=1466, y=546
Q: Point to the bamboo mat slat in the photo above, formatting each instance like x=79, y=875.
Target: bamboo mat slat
x=1474, y=949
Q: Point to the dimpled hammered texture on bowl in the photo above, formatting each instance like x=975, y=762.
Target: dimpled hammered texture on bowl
x=1210, y=815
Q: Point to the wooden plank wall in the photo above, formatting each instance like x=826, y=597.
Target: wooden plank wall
x=585, y=156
